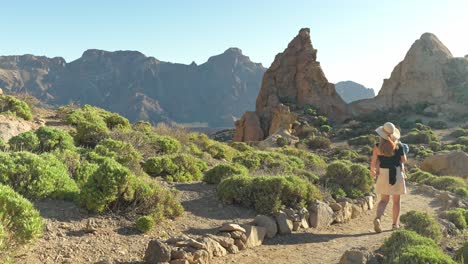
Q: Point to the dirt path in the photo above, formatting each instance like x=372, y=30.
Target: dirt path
x=117, y=241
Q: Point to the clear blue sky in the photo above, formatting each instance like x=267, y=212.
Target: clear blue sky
x=356, y=40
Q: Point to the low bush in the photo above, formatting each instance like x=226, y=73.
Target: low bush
x=325, y=128
x=36, y=176
x=142, y=126
x=463, y=192
x=353, y=179
x=310, y=110
x=312, y=162
x=344, y=154
x=459, y=132
x=416, y=136
x=164, y=144
x=271, y=162
x=448, y=183
x=70, y=158
x=396, y=244
x=365, y=140
x=421, y=254
x=459, y=217
x=320, y=121
x=19, y=221
x=216, y=174
x=241, y=146
x=421, y=151
x=317, y=142
x=268, y=194
x=437, y=124
x=51, y=139
x=27, y=141
x=281, y=141
x=12, y=106
x=462, y=253
x=179, y=167
x=462, y=140
x=122, y=152
x=216, y=149
x=90, y=133
x=145, y=223
x=423, y=224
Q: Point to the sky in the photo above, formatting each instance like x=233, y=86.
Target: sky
x=358, y=40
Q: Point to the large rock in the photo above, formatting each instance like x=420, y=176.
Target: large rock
x=156, y=252
x=11, y=126
x=201, y=256
x=268, y=223
x=428, y=74
x=255, y=235
x=321, y=215
x=229, y=227
x=214, y=248
x=454, y=163
x=345, y=214
x=285, y=225
x=226, y=242
x=294, y=77
x=248, y=128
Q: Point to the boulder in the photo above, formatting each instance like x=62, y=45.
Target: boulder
x=233, y=249
x=201, y=256
x=229, y=227
x=239, y=235
x=181, y=254
x=268, y=223
x=356, y=211
x=248, y=128
x=255, y=235
x=157, y=251
x=361, y=255
x=285, y=225
x=226, y=242
x=321, y=215
x=453, y=163
x=213, y=247
x=240, y=244
x=336, y=207
x=296, y=225
x=345, y=214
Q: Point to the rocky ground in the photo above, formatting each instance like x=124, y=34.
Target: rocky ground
x=114, y=239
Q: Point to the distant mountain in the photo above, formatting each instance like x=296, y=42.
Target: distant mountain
x=351, y=91
x=141, y=87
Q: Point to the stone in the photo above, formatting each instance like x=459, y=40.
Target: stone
x=223, y=241
x=255, y=235
x=295, y=77
x=175, y=239
x=361, y=255
x=336, y=207
x=284, y=224
x=239, y=244
x=233, y=249
x=345, y=214
x=214, y=248
x=239, y=235
x=196, y=244
x=356, y=211
x=91, y=226
x=180, y=254
x=321, y=215
x=296, y=225
x=179, y=261
x=201, y=256
x=224, y=234
x=370, y=202
x=454, y=163
x=248, y=128
x=268, y=223
x=229, y=227
x=157, y=251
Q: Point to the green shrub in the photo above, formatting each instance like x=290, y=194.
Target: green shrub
x=241, y=146
x=344, y=154
x=27, y=141
x=419, y=137
x=216, y=174
x=90, y=133
x=422, y=223
x=249, y=160
x=459, y=132
x=463, y=192
x=310, y=110
x=459, y=217
x=421, y=151
x=353, y=179
x=268, y=194
x=12, y=106
x=36, y=176
x=19, y=220
x=142, y=126
x=364, y=140
x=281, y=141
x=447, y=183
x=317, y=142
x=164, y=144
x=420, y=176
x=421, y=254
x=122, y=152
x=305, y=174
x=325, y=128
x=114, y=120
x=52, y=138
x=462, y=253
x=84, y=171
x=437, y=124
x=89, y=113
x=70, y=158
x=435, y=146
x=145, y=223
x=216, y=149
x=179, y=167
x=320, y=121
x=462, y=140
x=394, y=246
x=420, y=126
x=275, y=162
x=312, y=162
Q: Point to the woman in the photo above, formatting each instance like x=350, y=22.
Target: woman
x=387, y=163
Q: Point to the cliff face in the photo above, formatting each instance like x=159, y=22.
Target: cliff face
x=428, y=73
x=296, y=77
x=352, y=91
x=141, y=87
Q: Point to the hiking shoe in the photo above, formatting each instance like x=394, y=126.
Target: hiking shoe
x=377, y=226
x=395, y=227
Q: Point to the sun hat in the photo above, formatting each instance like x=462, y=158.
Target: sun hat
x=388, y=129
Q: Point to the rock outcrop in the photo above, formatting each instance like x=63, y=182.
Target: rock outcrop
x=140, y=87
x=351, y=91
x=295, y=77
x=428, y=74
x=454, y=163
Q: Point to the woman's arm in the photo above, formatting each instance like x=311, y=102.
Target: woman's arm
x=374, y=166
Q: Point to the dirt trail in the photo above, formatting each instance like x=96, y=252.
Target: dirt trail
x=117, y=241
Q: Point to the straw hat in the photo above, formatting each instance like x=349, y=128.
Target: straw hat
x=388, y=129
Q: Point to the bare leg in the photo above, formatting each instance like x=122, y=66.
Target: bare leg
x=396, y=209
x=382, y=204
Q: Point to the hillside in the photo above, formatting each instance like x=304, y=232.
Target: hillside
x=141, y=87
x=351, y=91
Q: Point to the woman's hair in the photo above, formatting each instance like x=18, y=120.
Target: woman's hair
x=387, y=148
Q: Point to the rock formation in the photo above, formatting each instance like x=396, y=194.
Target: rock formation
x=428, y=74
x=295, y=77
x=141, y=87
x=351, y=91
x=454, y=163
